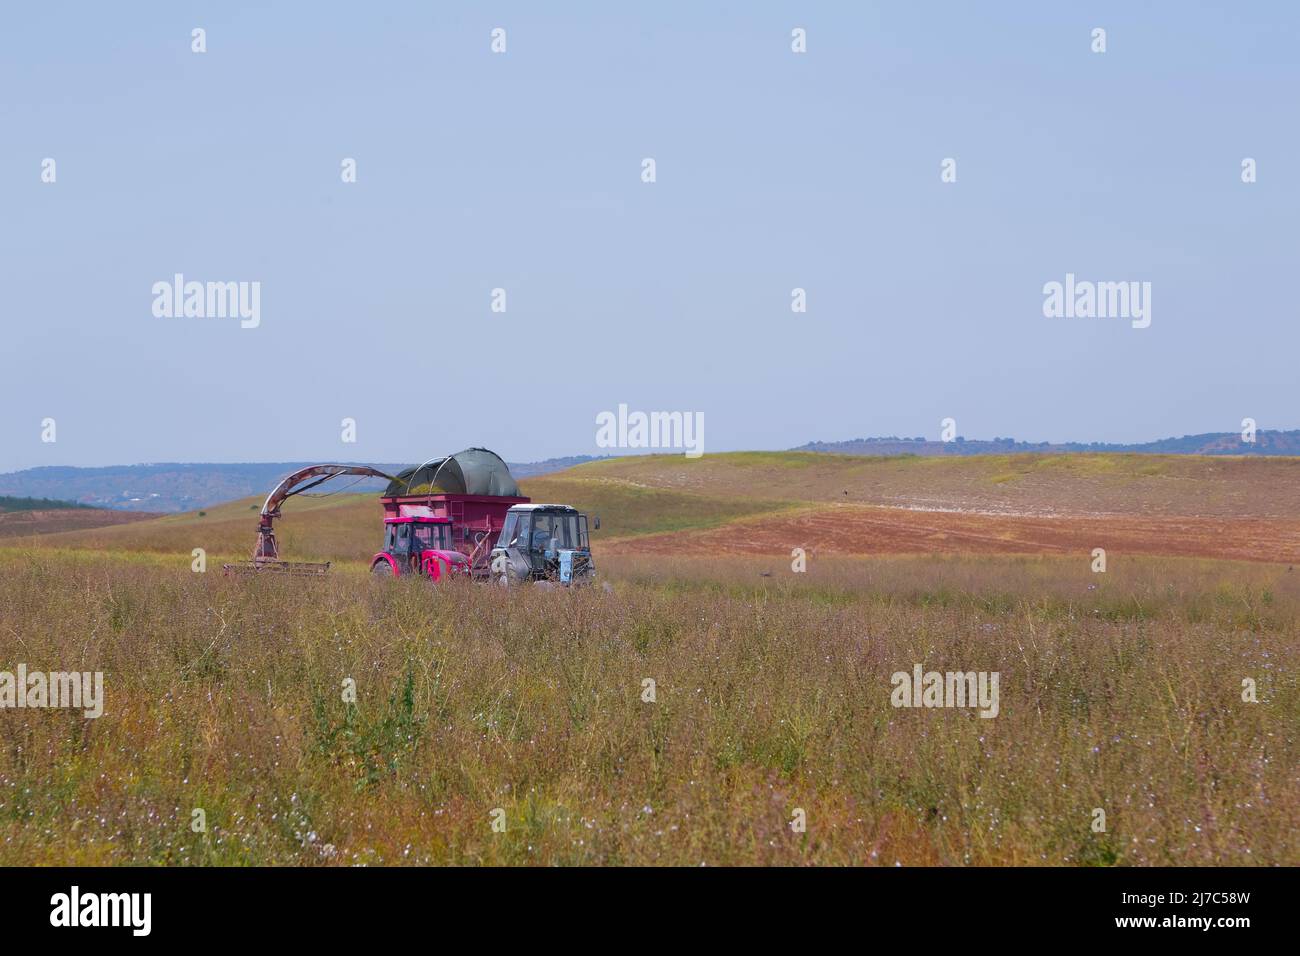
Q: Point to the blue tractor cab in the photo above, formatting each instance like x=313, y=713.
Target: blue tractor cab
x=541, y=542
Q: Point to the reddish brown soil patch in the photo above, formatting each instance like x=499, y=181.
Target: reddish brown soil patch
x=855, y=530
x=19, y=523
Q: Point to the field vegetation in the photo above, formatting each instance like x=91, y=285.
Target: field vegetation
x=772, y=694
x=1162, y=693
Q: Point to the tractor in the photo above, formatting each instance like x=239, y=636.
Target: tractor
x=419, y=545
x=545, y=543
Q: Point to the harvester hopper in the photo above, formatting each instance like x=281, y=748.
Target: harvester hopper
x=472, y=489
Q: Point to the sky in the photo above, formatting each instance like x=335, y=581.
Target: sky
x=523, y=171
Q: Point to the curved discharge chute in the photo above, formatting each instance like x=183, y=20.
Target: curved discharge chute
x=266, y=556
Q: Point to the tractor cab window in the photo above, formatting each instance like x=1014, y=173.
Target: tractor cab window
x=582, y=532
x=571, y=531
x=515, y=532
x=543, y=530
x=564, y=531
x=402, y=543
x=509, y=529
x=430, y=536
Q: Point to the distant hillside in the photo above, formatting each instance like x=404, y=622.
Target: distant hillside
x=174, y=487
x=1210, y=443
x=550, y=465
x=24, y=517
x=36, y=504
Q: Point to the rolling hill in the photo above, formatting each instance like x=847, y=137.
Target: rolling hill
x=28, y=516
x=765, y=503
x=174, y=487
x=1209, y=443
x=1023, y=484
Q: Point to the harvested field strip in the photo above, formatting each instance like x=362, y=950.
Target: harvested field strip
x=858, y=530
x=45, y=521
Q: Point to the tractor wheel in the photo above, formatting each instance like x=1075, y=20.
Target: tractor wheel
x=380, y=569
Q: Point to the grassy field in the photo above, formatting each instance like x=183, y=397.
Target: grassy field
x=1121, y=692
x=1011, y=504
x=1026, y=483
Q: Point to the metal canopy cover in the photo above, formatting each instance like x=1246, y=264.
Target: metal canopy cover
x=474, y=471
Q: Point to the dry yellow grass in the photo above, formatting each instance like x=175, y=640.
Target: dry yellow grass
x=1126, y=484
x=772, y=693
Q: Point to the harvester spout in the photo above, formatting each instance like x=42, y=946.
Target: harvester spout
x=266, y=556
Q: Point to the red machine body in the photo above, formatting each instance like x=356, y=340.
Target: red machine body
x=475, y=520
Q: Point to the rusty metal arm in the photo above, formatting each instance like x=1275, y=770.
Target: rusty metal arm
x=300, y=481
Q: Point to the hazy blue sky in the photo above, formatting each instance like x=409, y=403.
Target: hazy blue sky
x=775, y=170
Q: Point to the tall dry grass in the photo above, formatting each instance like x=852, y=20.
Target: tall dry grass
x=772, y=694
